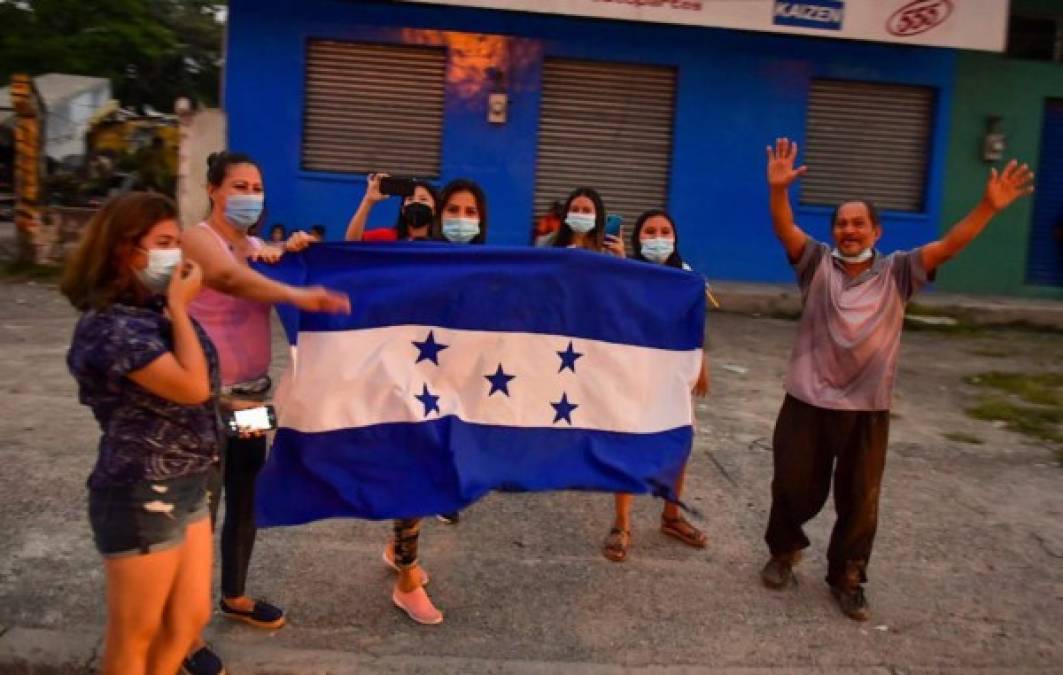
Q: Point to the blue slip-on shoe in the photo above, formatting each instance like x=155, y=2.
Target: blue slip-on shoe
x=203, y=662
x=264, y=615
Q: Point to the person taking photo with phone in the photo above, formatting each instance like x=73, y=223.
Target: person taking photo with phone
x=417, y=215
x=151, y=377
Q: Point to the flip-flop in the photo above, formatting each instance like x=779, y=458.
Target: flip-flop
x=616, y=545
x=681, y=529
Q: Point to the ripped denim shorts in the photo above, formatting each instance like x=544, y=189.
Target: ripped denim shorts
x=147, y=516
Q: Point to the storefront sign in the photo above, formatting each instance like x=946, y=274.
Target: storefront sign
x=964, y=24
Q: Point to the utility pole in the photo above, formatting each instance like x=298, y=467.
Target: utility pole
x=29, y=166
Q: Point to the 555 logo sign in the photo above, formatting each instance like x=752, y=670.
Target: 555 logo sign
x=918, y=17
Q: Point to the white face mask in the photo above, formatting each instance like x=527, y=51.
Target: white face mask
x=657, y=249
x=580, y=222
x=161, y=265
x=461, y=230
x=862, y=256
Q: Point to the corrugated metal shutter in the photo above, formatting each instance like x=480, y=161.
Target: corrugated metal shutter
x=373, y=107
x=1044, y=265
x=867, y=141
x=607, y=126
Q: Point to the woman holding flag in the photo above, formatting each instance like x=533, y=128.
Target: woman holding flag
x=233, y=309
x=655, y=239
x=462, y=219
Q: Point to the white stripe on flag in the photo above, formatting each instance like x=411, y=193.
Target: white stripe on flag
x=349, y=379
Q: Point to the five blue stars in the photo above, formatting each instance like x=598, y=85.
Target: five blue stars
x=429, y=349
x=568, y=358
x=563, y=409
x=430, y=402
x=499, y=381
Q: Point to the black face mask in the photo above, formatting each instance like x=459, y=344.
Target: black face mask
x=416, y=214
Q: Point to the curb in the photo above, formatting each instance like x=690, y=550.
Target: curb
x=37, y=651
x=784, y=301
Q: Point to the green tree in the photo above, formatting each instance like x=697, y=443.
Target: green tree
x=152, y=50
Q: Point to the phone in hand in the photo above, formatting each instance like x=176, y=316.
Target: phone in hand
x=613, y=221
x=262, y=418
x=396, y=186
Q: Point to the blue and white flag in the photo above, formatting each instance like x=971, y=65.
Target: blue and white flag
x=467, y=369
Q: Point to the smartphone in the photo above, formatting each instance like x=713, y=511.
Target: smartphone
x=397, y=187
x=262, y=418
x=613, y=221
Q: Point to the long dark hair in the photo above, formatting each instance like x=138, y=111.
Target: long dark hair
x=564, y=232
x=97, y=275
x=463, y=185
x=674, y=260
x=402, y=230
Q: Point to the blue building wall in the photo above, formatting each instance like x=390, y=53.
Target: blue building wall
x=737, y=91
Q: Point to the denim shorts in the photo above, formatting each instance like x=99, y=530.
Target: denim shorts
x=147, y=516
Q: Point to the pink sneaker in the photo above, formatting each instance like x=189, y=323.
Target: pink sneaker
x=417, y=606
x=389, y=560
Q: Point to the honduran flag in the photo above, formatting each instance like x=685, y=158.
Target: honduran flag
x=467, y=369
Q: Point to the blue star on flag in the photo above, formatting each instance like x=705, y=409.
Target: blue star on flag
x=430, y=402
x=563, y=409
x=499, y=381
x=429, y=349
x=568, y=358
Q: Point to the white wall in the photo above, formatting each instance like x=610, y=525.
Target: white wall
x=202, y=133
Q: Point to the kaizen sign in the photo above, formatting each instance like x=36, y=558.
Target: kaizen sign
x=826, y=14
x=961, y=24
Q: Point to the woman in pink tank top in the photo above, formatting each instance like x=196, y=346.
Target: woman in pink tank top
x=233, y=309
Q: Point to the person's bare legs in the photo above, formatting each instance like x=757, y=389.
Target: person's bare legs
x=187, y=611
x=138, y=587
x=619, y=538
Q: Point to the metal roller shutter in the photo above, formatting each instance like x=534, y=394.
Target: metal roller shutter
x=868, y=141
x=1044, y=266
x=373, y=107
x=607, y=126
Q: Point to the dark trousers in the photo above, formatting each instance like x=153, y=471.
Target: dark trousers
x=811, y=443
x=242, y=459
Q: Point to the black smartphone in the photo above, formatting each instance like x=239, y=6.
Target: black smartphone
x=261, y=418
x=397, y=187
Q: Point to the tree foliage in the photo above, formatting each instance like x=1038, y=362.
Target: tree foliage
x=152, y=50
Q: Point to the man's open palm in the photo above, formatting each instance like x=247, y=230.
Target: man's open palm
x=781, y=171
x=1005, y=187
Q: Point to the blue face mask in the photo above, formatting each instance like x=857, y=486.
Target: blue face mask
x=243, y=211
x=658, y=249
x=461, y=230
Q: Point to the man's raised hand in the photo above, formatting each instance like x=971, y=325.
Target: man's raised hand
x=1008, y=185
x=781, y=171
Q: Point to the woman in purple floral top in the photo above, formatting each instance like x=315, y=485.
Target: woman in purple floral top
x=150, y=375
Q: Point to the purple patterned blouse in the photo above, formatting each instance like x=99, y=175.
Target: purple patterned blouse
x=144, y=437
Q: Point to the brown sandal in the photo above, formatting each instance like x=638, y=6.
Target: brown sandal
x=616, y=544
x=681, y=529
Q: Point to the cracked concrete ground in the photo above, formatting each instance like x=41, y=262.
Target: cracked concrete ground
x=967, y=574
